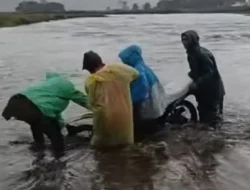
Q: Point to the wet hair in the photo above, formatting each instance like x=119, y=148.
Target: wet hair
x=91, y=61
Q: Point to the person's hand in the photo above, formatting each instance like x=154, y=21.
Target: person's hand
x=193, y=86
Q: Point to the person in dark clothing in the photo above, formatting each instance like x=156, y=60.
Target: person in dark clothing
x=208, y=87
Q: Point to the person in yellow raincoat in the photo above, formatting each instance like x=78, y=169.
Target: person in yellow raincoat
x=108, y=91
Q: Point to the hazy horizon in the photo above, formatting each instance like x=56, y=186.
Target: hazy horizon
x=10, y=5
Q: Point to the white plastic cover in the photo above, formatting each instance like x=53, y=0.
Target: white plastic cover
x=177, y=88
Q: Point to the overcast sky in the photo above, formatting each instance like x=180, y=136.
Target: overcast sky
x=9, y=5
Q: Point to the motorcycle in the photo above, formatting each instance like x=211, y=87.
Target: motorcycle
x=179, y=111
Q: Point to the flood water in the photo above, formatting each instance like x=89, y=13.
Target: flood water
x=190, y=159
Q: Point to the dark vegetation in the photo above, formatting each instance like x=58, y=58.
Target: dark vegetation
x=29, y=12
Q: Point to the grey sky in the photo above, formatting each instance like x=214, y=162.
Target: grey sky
x=9, y=5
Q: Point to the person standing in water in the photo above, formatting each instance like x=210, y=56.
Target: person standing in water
x=148, y=94
x=108, y=90
x=207, y=86
x=41, y=105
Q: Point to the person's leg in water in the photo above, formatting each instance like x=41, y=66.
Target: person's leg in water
x=144, y=128
x=218, y=114
x=138, y=128
x=37, y=133
x=210, y=113
x=221, y=107
x=52, y=130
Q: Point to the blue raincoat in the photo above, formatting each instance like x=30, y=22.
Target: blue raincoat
x=146, y=89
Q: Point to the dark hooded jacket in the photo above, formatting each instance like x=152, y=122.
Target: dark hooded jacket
x=203, y=70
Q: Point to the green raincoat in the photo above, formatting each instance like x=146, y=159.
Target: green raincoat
x=52, y=95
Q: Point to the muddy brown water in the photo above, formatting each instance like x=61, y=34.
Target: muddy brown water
x=189, y=159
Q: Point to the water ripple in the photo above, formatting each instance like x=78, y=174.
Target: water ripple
x=27, y=52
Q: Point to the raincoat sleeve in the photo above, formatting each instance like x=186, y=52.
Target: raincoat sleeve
x=79, y=98
x=208, y=68
x=139, y=87
x=89, y=86
x=134, y=74
x=129, y=72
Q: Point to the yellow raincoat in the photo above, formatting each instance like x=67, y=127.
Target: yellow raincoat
x=109, y=96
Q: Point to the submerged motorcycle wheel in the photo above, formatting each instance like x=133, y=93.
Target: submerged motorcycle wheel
x=180, y=113
x=184, y=107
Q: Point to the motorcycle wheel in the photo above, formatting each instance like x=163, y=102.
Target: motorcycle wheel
x=179, y=113
x=187, y=106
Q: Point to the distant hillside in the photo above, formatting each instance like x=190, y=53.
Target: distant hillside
x=33, y=6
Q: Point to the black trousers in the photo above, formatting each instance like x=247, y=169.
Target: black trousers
x=210, y=111
x=142, y=127
x=21, y=108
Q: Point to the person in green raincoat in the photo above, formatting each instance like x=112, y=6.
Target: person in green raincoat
x=41, y=105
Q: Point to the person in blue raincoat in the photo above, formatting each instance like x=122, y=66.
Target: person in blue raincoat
x=148, y=95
